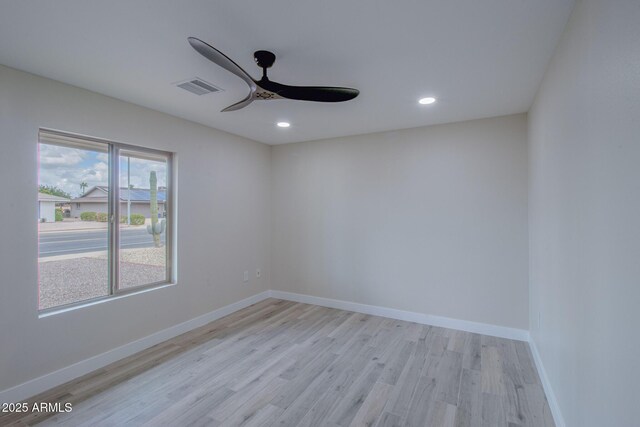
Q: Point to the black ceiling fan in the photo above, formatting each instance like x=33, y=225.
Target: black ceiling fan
x=264, y=88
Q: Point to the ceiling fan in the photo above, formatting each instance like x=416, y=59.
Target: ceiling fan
x=265, y=89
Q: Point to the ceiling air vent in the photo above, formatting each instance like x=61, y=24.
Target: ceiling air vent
x=198, y=86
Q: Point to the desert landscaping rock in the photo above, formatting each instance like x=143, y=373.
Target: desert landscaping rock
x=79, y=279
x=147, y=256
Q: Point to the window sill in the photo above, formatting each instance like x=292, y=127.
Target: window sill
x=88, y=303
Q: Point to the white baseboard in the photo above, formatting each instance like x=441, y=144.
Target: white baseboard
x=410, y=316
x=445, y=322
x=38, y=385
x=548, y=391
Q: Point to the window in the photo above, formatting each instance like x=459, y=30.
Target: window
x=104, y=219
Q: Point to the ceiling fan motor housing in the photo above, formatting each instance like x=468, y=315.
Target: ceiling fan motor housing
x=264, y=58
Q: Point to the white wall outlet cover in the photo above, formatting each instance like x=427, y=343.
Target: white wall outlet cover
x=246, y=276
x=258, y=273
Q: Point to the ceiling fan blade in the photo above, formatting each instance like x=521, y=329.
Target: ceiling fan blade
x=310, y=93
x=219, y=58
x=238, y=105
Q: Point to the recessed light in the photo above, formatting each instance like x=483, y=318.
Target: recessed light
x=426, y=101
x=283, y=124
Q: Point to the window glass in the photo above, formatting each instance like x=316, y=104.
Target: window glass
x=143, y=218
x=103, y=225
x=73, y=238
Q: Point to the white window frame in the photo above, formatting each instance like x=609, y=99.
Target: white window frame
x=114, y=149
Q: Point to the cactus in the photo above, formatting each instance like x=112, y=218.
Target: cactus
x=156, y=228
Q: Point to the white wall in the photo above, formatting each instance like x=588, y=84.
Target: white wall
x=584, y=137
x=431, y=220
x=223, y=224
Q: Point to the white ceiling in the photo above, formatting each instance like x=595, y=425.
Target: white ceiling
x=479, y=58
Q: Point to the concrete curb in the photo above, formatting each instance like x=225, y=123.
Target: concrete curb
x=125, y=227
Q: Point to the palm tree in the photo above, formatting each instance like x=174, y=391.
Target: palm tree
x=83, y=185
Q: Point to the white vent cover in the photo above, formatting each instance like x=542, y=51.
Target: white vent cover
x=198, y=86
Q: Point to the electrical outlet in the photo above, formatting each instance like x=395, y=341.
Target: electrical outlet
x=258, y=273
x=246, y=276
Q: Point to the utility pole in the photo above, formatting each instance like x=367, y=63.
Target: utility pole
x=128, y=190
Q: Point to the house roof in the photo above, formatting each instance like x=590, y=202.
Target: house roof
x=133, y=194
x=44, y=197
x=141, y=194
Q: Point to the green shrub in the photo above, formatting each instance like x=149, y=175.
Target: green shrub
x=59, y=215
x=137, y=219
x=101, y=217
x=88, y=216
x=123, y=219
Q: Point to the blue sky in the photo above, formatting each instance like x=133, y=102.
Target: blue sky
x=66, y=168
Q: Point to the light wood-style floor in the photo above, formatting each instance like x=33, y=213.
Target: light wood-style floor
x=279, y=363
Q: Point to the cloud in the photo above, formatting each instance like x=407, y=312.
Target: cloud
x=53, y=156
x=69, y=179
x=141, y=171
x=67, y=168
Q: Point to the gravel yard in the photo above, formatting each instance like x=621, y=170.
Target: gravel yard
x=85, y=277
x=147, y=256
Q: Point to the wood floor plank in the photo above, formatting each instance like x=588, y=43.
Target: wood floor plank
x=448, y=377
x=400, y=398
x=387, y=419
x=441, y=414
x=538, y=411
x=493, y=414
x=525, y=362
x=469, y=413
x=492, y=374
x=281, y=363
x=395, y=363
x=266, y=416
x=305, y=355
x=372, y=406
x=271, y=384
x=331, y=398
x=296, y=386
x=421, y=402
x=295, y=412
x=472, y=352
x=191, y=408
x=414, y=331
x=457, y=340
x=251, y=407
x=356, y=395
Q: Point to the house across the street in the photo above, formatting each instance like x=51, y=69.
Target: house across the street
x=95, y=200
x=47, y=206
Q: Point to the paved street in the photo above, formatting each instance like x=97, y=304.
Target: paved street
x=73, y=242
